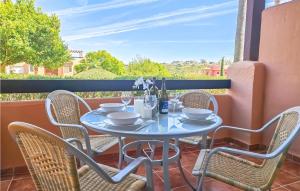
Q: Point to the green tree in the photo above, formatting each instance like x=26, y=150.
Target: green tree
x=27, y=34
x=101, y=59
x=222, y=63
x=147, y=67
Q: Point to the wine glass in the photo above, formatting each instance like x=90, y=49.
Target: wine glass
x=174, y=101
x=126, y=98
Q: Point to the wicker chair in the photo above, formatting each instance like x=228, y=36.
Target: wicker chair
x=65, y=107
x=219, y=163
x=198, y=99
x=52, y=164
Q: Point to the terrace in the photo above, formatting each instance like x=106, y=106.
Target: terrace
x=265, y=84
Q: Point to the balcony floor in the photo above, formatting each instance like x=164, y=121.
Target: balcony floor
x=288, y=177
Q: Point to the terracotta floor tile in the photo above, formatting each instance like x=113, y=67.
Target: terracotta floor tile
x=275, y=185
x=5, y=185
x=188, y=158
x=182, y=188
x=22, y=184
x=294, y=186
x=291, y=167
x=280, y=189
x=284, y=178
x=176, y=178
x=158, y=183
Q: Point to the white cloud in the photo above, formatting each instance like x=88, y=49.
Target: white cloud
x=100, y=6
x=184, y=42
x=169, y=18
x=82, y=2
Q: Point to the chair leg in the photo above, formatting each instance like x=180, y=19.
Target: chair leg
x=204, y=141
x=200, y=181
x=121, y=156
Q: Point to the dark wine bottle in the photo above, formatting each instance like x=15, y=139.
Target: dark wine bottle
x=163, y=99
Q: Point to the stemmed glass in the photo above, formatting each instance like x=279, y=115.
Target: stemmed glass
x=126, y=98
x=150, y=101
x=174, y=101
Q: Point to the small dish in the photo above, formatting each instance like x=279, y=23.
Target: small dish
x=137, y=123
x=112, y=107
x=123, y=118
x=196, y=114
x=103, y=112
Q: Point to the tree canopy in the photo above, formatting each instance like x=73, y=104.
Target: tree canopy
x=27, y=34
x=101, y=59
x=147, y=67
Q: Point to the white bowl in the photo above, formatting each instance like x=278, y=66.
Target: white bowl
x=112, y=107
x=123, y=118
x=196, y=114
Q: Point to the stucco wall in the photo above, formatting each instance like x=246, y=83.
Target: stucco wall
x=280, y=53
x=34, y=112
x=247, y=99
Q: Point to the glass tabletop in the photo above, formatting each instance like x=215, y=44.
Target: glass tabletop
x=173, y=125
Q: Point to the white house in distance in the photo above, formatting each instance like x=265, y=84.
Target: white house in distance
x=66, y=70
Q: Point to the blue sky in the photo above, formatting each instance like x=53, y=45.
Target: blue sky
x=163, y=30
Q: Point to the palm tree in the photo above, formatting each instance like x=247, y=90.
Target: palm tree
x=240, y=31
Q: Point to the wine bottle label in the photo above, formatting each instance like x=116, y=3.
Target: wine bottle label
x=164, y=107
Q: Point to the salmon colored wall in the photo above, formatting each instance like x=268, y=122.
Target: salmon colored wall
x=280, y=53
x=34, y=112
x=247, y=99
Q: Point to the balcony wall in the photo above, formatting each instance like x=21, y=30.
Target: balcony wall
x=279, y=52
x=34, y=112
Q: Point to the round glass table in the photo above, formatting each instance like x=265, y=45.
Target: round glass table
x=164, y=127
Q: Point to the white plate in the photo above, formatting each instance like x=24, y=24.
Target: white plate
x=137, y=123
x=209, y=118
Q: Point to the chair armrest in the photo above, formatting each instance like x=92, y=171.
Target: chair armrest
x=233, y=151
x=121, y=175
x=76, y=141
x=132, y=166
x=84, y=132
x=243, y=129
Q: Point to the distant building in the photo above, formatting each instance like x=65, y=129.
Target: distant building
x=66, y=70
x=214, y=70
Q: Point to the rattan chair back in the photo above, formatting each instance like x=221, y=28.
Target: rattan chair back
x=287, y=122
x=47, y=158
x=196, y=99
x=65, y=109
x=199, y=99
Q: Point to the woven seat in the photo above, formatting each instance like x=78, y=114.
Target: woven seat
x=194, y=140
x=52, y=165
x=89, y=180
x=100, y=143
x=63, y=109
x=197, y=99
x=243, y=173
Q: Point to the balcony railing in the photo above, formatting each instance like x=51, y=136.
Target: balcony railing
x=39, y=86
